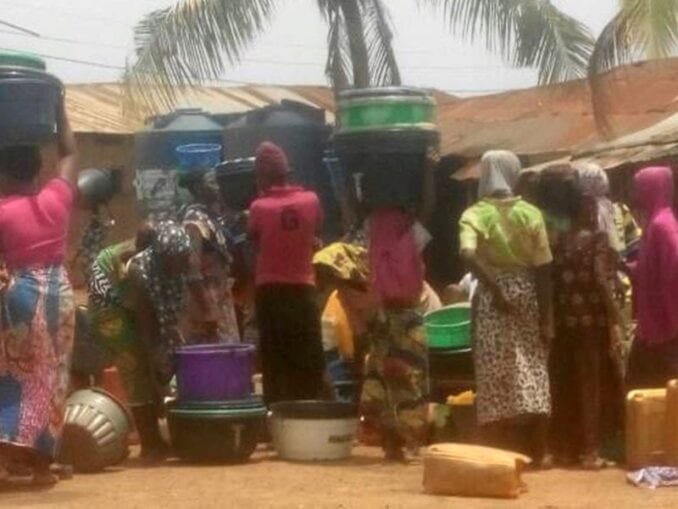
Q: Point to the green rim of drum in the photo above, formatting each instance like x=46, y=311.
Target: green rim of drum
x=386, y=112
x=219, y=409
x=17, y=59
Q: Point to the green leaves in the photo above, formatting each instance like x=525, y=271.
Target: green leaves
x=526, y=33
x=642, y=29
x=379, y=36
x=193, y=41
x=196, y=40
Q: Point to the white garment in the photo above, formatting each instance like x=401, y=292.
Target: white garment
x=499, y=171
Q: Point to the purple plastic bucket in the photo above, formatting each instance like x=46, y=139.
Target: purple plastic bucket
x=215, y=372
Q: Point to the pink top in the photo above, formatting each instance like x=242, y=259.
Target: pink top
x=655, y=276
x=33, y=228
x=284, y=222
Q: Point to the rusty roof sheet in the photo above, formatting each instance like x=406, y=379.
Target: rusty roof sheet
x=558, y=118
x=658, y=142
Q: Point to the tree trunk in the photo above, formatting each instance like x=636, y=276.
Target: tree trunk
x=356, y=39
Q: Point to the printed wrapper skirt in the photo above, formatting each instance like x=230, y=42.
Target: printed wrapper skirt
x=511, y=360
x=36, y=341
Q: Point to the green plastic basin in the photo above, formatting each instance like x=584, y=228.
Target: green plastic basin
x=449, y=328
x=387, y=108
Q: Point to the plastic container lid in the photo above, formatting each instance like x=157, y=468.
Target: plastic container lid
x=17, y=59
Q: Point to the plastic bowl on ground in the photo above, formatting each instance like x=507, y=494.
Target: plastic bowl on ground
x=96, y=427
x=198, y=156
x=216, y=431
x=215, y=372
x=449, y=327
x=313, y=430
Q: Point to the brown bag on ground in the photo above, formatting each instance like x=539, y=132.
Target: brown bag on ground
x=473, y=471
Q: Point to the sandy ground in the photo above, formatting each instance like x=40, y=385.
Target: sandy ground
x=362, y=482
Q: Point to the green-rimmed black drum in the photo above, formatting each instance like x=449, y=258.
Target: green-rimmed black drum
x=381, y=138
x=378, y=109
x=29, y=100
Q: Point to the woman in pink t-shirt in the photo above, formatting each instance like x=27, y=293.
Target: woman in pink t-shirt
x=36, y=333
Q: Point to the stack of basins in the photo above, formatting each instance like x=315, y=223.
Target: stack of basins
x=382, y=138
x=216, y=416
x=237, y=182
x=29, y=100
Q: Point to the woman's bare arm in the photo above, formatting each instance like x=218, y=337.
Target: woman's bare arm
x=68, y=151
x=487, y=277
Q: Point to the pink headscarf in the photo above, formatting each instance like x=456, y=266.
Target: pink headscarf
x=656, y=273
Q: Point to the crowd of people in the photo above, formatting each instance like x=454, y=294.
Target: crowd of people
x=547, y=255
x=550, y=334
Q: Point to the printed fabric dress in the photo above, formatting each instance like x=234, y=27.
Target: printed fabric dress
x=38, y=318
x=510, y=357
x=585, y=374
x=114, y=325
x=396, y=387
x=210, y=263
x=38, y=323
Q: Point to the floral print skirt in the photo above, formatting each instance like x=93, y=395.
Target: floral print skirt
x=36, y=342
x=395, y=392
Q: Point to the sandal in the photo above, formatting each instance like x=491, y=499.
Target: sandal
x=592, y=462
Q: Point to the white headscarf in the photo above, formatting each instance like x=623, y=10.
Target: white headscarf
x=594, y=183
x=499, y=170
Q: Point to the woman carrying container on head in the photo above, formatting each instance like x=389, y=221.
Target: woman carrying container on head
x=210, y=315
x=504, y=241
x=38, y=313
x=395, y=392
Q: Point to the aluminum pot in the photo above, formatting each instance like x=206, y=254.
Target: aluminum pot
x=95, y=431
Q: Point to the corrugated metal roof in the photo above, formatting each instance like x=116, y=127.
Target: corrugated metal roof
x=98, y=108
x=558, y=118
x=655, y=143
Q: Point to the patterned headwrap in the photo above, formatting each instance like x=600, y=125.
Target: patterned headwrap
x=347, y=262
x=594, y=183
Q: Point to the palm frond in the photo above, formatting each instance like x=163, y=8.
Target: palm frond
x=612, y=48
x=384, y=68
x=193, y=41
x=526, y=33
x=556, y=44
x=338, y=67
x=641, y=29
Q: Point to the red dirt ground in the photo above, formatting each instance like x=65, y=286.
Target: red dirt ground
x=362, y=482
